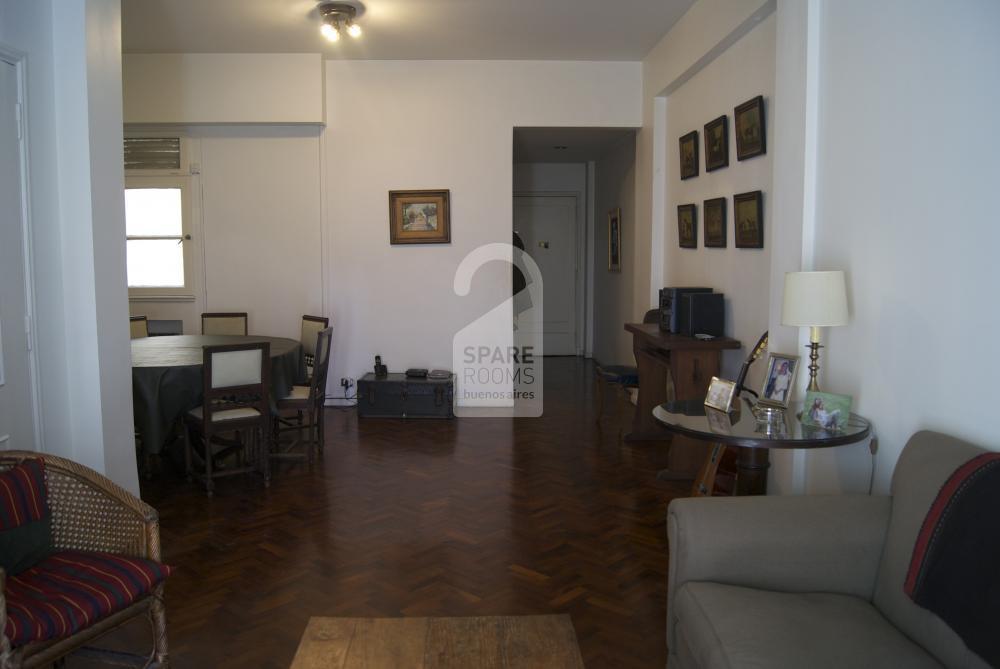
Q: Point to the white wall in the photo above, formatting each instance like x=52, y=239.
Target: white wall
x=192, y=88
x=743, y=71
x=614, y=183
x=436, y=124
x=906, y=205
x=77, y=217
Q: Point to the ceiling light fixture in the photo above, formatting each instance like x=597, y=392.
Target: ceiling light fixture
x=338, y=17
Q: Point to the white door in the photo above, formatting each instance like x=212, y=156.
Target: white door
x=17, y=422
x=547, y=225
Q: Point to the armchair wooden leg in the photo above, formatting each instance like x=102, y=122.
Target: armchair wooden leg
x=158, y=621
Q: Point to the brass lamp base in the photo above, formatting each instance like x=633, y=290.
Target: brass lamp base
x=814, y=348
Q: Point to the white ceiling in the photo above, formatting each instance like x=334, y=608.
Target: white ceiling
x=407, y=29
x=565, y=145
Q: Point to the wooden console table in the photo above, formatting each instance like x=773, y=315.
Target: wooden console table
x=691, y=363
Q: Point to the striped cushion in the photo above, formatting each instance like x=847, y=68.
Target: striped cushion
x=22, y=494
x=71, y=590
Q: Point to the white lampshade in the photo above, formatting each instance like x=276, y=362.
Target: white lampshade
x=814, y=299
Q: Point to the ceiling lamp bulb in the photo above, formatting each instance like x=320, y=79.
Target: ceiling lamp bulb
x=354, y=30
x=330, y=32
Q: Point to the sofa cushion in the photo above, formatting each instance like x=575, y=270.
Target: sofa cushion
x=71, y=590
x=25, y=521
x=731, y=627
x=924, y=465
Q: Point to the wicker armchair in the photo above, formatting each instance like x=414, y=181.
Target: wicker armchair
x=91, y=513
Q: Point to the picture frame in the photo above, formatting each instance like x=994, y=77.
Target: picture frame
x=748, y=220
x=689, y=155
x=779, y=380
x=615, y=240
x=750, y=129
x=717, y=144
x=419, y=216
x=720, y=394
x=687, y=226
x=826, y=411
x=714, y=217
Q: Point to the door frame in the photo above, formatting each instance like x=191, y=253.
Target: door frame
x=582, y=297
x=18, y=59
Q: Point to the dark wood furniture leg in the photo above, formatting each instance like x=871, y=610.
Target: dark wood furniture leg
x=751, y=471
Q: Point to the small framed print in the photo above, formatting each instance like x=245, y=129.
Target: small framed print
x=748, y=220
x=717, y=143
x=687, y=226
x=778, y=381
x=720, y=394
x=419, y=217
x=826, y=411
x=748, y=121
x=615, y=240
x=714, y=214
x=689, y=155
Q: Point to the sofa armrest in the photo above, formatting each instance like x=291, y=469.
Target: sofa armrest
x=792, y=544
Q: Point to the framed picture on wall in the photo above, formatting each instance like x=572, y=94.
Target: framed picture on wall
x=687, y=226
x=714, y=214
x=748, y=220
x=419, y=217
x=717, y=143
x=615, y=240
x=689, y=155
x=748, y=121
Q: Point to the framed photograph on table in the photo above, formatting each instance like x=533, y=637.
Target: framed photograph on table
x=687, y=226
x=777, y=390
x=827, y=411
x=720, y=394
x=615, y=240
x=689, y=155
x=419, y=217
x=717, y=144
x=748, y=120
x=748, y=220
x=714, y=213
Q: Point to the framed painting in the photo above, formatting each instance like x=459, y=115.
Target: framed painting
x=748, y=220
x=714, y=214
x=419, y=217
x=689, y=155
x=615, y=240
x=717, y=144
x=751, y=136
x=687, y=226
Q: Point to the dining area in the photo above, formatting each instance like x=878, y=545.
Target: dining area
x=232, y=401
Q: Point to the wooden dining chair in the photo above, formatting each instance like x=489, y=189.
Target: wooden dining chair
x=224, y=323
x=308, y=403
x=236, y=387
x=311, y=326
x=138, y=327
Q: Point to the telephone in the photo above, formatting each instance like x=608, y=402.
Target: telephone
x=757, y=351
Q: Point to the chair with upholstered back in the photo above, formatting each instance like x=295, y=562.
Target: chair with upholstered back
x=311, y=326
x=236, y=384
x=138, y=327
x=224, y=323
x=308, y=402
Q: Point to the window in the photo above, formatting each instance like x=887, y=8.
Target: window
x=157, y=233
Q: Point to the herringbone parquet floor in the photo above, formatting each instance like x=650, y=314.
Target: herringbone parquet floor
x=427, y=518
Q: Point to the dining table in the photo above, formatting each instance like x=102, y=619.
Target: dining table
x=167, y=378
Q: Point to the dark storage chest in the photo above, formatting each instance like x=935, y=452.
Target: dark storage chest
x=400, y=396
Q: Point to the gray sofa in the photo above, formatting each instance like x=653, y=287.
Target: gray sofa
x=813, y=581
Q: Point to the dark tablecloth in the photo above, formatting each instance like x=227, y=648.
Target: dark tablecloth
x=166, y=378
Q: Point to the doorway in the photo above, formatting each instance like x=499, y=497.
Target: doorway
x=547, y=224
x=18, y=417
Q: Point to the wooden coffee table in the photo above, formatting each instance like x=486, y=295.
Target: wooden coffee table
x=425, y=643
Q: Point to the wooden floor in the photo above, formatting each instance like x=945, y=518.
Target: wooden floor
x=426, y=518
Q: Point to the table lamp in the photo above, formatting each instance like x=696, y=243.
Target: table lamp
x=814, y=300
